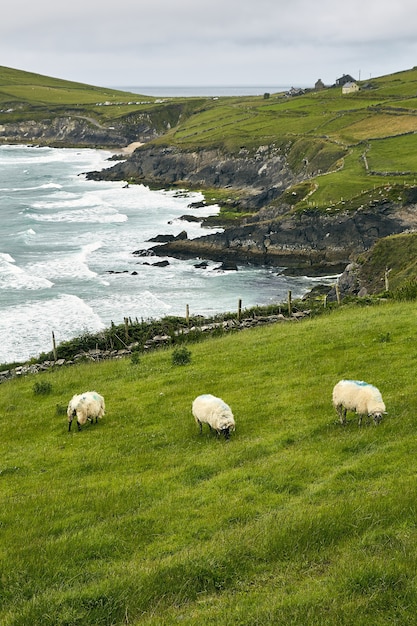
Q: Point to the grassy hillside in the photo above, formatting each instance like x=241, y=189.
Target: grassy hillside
x=346, y=145
x=141, y=520
x=28, y=96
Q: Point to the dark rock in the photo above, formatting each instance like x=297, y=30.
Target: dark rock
x=197, y=205
x=203, y=265
x=181, y=236
x=226, y=266
x=160, y=264
x=162, y=238
x=148, y=252
x=348, y=283
x=190, y=218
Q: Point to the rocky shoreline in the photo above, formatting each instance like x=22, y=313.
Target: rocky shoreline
x=310, y=243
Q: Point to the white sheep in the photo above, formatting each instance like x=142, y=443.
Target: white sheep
x=358, y=396
x=208, y=409
x=85, y=406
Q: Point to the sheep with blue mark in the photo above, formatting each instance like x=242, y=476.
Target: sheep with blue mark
x=208, y=409
x=360, y=397
x=87, y=406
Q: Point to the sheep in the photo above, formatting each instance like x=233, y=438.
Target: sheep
x=85, y=406
x=208, y=409
x=358, y=396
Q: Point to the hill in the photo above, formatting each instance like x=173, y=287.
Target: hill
x=141, y=520
x=51, y=111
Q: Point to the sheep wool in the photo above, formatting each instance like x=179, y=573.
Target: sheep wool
x=208, y=409
x=85, y=406
x=360, y=397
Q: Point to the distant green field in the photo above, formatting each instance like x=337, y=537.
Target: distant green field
x=396, y=154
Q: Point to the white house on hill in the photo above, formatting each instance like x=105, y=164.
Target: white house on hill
x=350, y=88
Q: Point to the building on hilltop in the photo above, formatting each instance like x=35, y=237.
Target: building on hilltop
x=346, y=78
x=319, y=85
x=350, y=87
x=295, y=91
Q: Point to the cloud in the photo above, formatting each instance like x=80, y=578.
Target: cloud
x=208, y=41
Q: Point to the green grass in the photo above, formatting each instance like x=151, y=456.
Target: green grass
x=142, y=520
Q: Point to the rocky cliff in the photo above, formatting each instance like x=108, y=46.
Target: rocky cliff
x=75, y=130
x=259, y=178
x=310, y=242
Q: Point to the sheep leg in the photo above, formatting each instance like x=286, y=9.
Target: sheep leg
x=69, y=425
x=341, y=411
x=79, y=425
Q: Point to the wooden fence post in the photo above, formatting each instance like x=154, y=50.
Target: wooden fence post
x=337, y=293
x=127, y=328
x=187, y=313
x=289, y=304
x=54, y=346
x=387, y=271
x=239, y=309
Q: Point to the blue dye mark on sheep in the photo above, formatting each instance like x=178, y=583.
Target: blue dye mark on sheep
x=360, y=383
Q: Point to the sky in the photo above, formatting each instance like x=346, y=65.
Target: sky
x=209, y=42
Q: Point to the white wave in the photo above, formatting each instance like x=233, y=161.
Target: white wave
x=82, y=216
x=14, y=277
x=6, y=258
x=51, y=186
x=26, y=235
x=140, y=305
x=23, y=155
x=26, y=329
x=34, y=188
x=67, y=264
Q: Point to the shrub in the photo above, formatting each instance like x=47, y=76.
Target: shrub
x=61, y=409
x=135, y=358
x=407, y=291
x=181, y=356
x=42, y=388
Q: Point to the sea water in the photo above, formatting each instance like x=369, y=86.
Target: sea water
x=66, y=253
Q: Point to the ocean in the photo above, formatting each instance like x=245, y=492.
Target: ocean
x=66, y=262
x=210, y=91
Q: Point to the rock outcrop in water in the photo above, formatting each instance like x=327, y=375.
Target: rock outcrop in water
x=309, y=243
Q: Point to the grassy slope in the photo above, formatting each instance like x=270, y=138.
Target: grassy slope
x=28, y=96
x=332, y=131
x=140, y=520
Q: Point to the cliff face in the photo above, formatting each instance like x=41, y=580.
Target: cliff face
x=259, y=178
x=310, y=243
x=73, y=131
